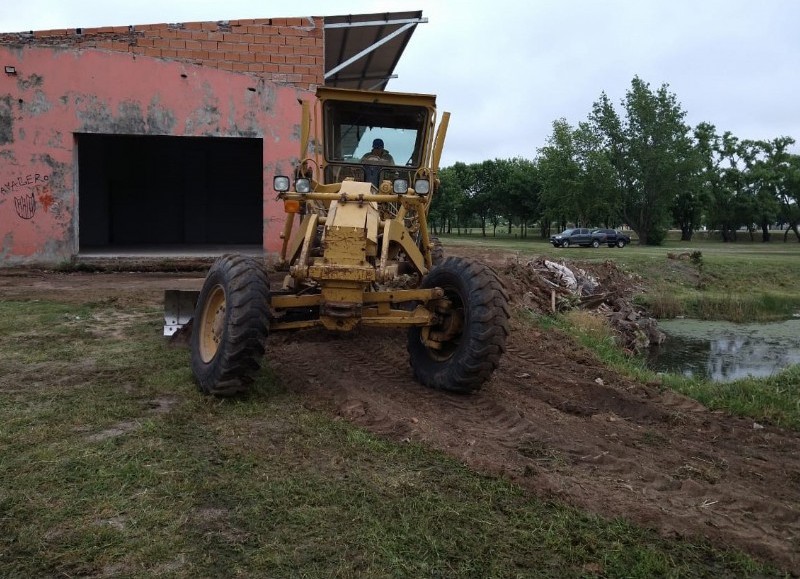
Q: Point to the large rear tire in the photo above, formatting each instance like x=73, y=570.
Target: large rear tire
x=231, y=321
x=464, y=348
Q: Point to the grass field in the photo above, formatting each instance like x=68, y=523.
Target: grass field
x=120, y=468
x=112, y=464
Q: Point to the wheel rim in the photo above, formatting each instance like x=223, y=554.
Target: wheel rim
x=452, y=322
x=212, y=325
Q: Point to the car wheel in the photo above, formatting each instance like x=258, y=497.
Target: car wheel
x=565, y=243
x=595, y=243
x=620, y=243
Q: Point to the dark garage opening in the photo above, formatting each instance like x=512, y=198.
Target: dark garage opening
x=170, y=192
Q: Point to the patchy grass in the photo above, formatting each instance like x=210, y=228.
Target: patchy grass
x=111, y=464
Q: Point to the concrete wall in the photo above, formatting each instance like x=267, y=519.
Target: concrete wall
x=179, y=80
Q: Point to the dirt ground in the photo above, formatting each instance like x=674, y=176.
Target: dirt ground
x=552, y=419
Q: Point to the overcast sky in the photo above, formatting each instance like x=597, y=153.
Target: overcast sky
x=506, y=70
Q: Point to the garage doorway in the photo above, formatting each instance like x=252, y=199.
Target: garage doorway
x=169, y=193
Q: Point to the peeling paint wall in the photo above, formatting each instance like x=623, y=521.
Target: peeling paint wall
x=57, y=92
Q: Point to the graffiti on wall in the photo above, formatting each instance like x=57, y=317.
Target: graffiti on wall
x=29, y=191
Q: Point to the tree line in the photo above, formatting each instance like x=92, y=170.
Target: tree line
x=643, y=167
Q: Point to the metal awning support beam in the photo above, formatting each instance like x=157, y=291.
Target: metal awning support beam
x=377, y=23
x=409, y=24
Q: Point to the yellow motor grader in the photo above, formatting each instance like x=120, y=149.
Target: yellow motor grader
x=356, y=252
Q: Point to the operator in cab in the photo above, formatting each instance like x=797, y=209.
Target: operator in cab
x=378, y=154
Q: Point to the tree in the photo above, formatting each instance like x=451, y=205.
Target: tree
x=650, y=151
x=560, y=176
x=770, y=171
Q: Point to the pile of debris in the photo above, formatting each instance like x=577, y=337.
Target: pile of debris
x=547, y=286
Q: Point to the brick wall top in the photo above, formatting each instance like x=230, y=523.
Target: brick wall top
x=283, y=50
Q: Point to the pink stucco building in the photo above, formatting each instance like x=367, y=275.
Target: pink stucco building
x=167, y=135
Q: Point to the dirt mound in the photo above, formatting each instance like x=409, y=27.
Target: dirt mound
x=546, y=286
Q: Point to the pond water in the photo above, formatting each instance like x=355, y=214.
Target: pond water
x=724, y=351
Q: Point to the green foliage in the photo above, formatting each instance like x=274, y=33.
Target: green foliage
x=642, y=166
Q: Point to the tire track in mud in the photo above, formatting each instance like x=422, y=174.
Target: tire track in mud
x=611, y=446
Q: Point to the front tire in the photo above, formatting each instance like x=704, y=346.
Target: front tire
x=565, y=243
x=231, y=322
x=595, y=243
x=464, y=348
x=620, y=243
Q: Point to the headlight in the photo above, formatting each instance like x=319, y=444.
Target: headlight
x=302, y=186
x=400, y=186
x=280, y=183
x=422, y=186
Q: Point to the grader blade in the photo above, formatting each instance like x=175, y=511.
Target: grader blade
x=178, y=309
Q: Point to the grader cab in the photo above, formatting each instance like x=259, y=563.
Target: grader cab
x=356, y=252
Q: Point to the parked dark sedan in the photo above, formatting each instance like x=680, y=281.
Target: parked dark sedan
x=577, y=236
x=610, y=237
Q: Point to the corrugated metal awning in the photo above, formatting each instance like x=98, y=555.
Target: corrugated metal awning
x=362, y=50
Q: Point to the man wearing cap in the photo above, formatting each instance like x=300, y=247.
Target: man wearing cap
x=378, y=154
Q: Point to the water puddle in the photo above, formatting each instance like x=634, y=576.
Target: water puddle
x=724, y=351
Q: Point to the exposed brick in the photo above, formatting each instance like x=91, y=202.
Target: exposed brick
x=233, y=37
x=287, y=68
x=192, y=44
x=184, y=34
x=293, y=59
x=279, y=22
x=270, y=67
x=240, y=66
x=255, y=67
x=234, y=56
x=199, y=54
x=294, y=22
x=152, y=52
x=309, y=78
x=168, y=53
x=308, y=60
x=293, y=40
x=309, y=41
x=120, y=29
x=209, y=25
x=232, y=47
x=193, y=25
x=277, y=40
x=285, y=50
x=209, y=45
x=177, y=43
x=160, y=43
x=277, y=58
x=224, y=65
